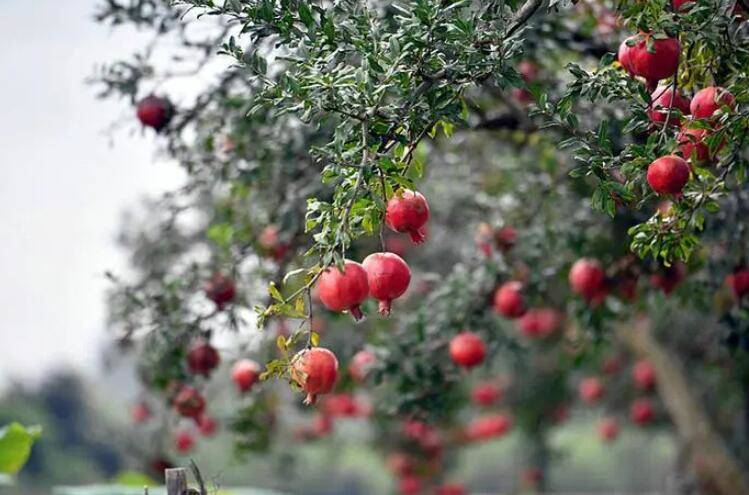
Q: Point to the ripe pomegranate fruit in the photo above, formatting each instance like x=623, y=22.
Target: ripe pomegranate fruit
x=388, y=277
x=505, y=237
x=642, y=412
x=739, y=281
x=612, y=364
x=590, y=390
x=207, y=425
x=344, y=290
x=188, y=402
x=659, y=64
x=202, y=357
x=270, y=243
x=528, y=70
x=361, y=364
x=315, y=370
x=184, y=441
x=467, y=349
x=709, y=100
x=539, y=323
x=451, y=489
x=486, y=393
x=643, y=374
x=410, y=485
x=245, y=373
x=668, y=174
x=509, y=301
x=663, y=98
x=140, y=412
x=220, y=289
x=322, y=424
x=669, y=277
x=155, y=112
x=487, y=427
x=408, y=211
x=692, y=144
x=339, y=405
x=608, y=429
x=532, y=476
x=400, y=464
x=587, y=278
x=679, y=4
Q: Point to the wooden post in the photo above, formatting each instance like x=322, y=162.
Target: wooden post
x=176, y=481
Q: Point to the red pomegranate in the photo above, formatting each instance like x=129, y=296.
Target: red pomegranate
x=361, y=364
x=202, y=357
x=451, y=489
x=587, y=278
x=270, y=243
x=388, y=277
x=608, y=429
x=668, y=174
x=155, y=112
x=669, y=277
x=140, y=412
x=400, y=464
x=245, y=373
x=410, y=485
x=539, y=323
x=486, y=393
x=188, y=402
x=505, y=238
x=315, y=370
x=709, y=100
x=663, y=98
x=467, y=349
x=679, y=4
x=659, y=64
x=408, y=211
x=626, y=286
x=532, y=476
x=339, y=405
x=322, y=424
x=642, y=412
x=643, y=373
x=739, y=281
x=487, y=427
x=590, y=390
x=528, y=70
x=612, y=364
x=220, y=289
x=344, y=290
x=207, y=425
x=509, y=301
x=184, y=441
x=693, y=145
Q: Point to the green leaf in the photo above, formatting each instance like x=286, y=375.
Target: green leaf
x=134, y=479
x=15, y=446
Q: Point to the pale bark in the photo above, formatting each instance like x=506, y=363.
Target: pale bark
x=712, y=460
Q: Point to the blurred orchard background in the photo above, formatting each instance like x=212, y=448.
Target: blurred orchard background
x=179, y=179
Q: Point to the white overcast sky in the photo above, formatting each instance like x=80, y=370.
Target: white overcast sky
x=63, y=185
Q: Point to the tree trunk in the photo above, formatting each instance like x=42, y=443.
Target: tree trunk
x=712, y=460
